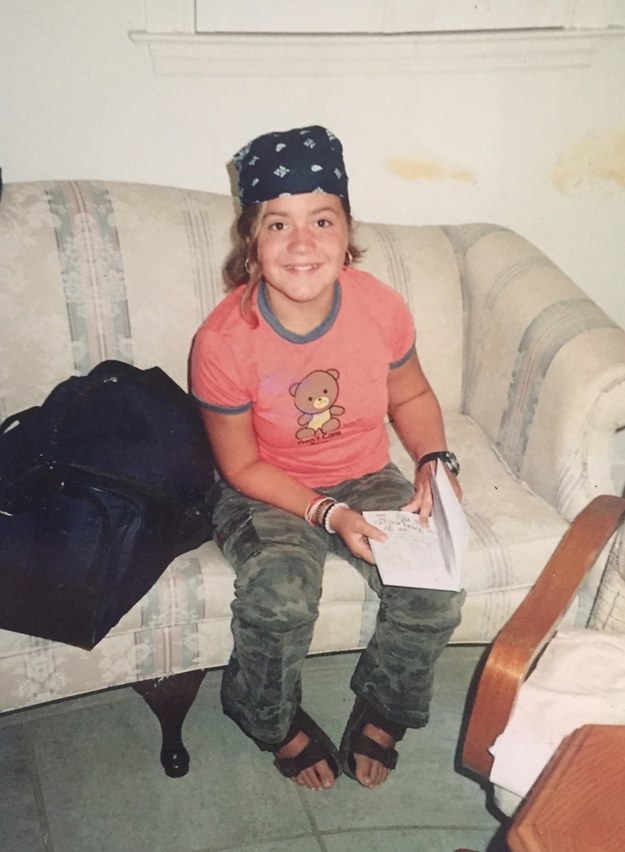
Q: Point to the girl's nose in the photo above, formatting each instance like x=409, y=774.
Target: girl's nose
x=301, y=238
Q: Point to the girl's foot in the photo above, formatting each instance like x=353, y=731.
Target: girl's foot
x=308, y=755
x=367, y=749
x=369, y=772
x=319, y=776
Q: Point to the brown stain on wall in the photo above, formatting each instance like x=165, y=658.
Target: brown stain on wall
x=413, y=169
x=598, y=159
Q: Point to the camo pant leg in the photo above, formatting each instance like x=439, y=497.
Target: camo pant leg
x=395, y=672
x=278, y=560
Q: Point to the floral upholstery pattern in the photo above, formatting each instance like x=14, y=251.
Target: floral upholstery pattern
x=530, y=374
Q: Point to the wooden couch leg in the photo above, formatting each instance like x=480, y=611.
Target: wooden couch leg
x=170, y=698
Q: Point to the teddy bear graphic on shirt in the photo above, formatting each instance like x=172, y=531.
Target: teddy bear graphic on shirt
x=315, y=398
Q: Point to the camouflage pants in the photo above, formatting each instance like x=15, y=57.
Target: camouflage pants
x=278, y=559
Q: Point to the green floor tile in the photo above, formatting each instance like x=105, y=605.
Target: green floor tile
x=98, y=785
x=20, y=828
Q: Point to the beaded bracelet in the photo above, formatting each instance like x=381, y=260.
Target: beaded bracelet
x=328, y=514
x=316, y=509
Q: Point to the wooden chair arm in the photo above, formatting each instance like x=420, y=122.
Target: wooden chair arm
x=532, y=625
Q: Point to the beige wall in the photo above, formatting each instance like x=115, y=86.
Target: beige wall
x=541, y=150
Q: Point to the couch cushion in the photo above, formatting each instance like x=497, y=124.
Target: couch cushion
x=421, y=265
x=84, y=277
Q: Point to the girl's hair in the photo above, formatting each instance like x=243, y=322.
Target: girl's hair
x=241, y=266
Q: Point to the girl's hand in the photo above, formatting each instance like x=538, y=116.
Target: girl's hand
x=423, y=501
x=355, y=532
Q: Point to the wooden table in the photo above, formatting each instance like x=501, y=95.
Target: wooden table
x=578, y=802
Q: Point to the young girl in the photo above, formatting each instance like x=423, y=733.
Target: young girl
x=295, y=371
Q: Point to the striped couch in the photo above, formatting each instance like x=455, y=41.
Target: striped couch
x=530, y=374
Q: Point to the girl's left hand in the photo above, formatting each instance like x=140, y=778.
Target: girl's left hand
x=422, y=500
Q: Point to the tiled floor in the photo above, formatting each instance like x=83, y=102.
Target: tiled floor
x=84, y=776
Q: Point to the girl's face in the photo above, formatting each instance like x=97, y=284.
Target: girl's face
x=301, y=244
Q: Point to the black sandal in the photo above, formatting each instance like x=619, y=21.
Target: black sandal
x=320, y=747
x=354, y=741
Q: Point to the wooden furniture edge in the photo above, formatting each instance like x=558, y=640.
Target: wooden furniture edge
x=532, y=625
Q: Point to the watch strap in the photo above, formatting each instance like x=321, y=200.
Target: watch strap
x=448, y=459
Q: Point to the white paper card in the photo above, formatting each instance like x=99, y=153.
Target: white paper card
x=423, y=557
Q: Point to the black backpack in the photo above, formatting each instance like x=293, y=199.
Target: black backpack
x=101, y=487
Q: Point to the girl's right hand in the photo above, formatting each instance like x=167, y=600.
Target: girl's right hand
x=356, y=532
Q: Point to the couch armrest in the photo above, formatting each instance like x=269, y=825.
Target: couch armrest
x=545, y=367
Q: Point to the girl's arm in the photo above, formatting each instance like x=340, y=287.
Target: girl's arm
x=416, y=415
x=235, y=449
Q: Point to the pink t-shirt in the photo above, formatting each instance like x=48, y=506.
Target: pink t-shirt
x=318, y=400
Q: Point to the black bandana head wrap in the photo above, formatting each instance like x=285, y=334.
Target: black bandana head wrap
x=306, y=159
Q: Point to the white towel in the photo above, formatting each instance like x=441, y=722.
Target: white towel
x=579, y=680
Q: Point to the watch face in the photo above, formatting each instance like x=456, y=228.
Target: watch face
x=451, y=462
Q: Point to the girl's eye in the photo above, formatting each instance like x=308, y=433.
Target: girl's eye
x=323, y=223
x=276, y=226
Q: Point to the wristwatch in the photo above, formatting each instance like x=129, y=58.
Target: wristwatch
x=448, y=459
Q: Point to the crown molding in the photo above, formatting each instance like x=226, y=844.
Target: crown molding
x=254, y=54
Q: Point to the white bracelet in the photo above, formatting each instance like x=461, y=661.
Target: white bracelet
x=328, y=515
